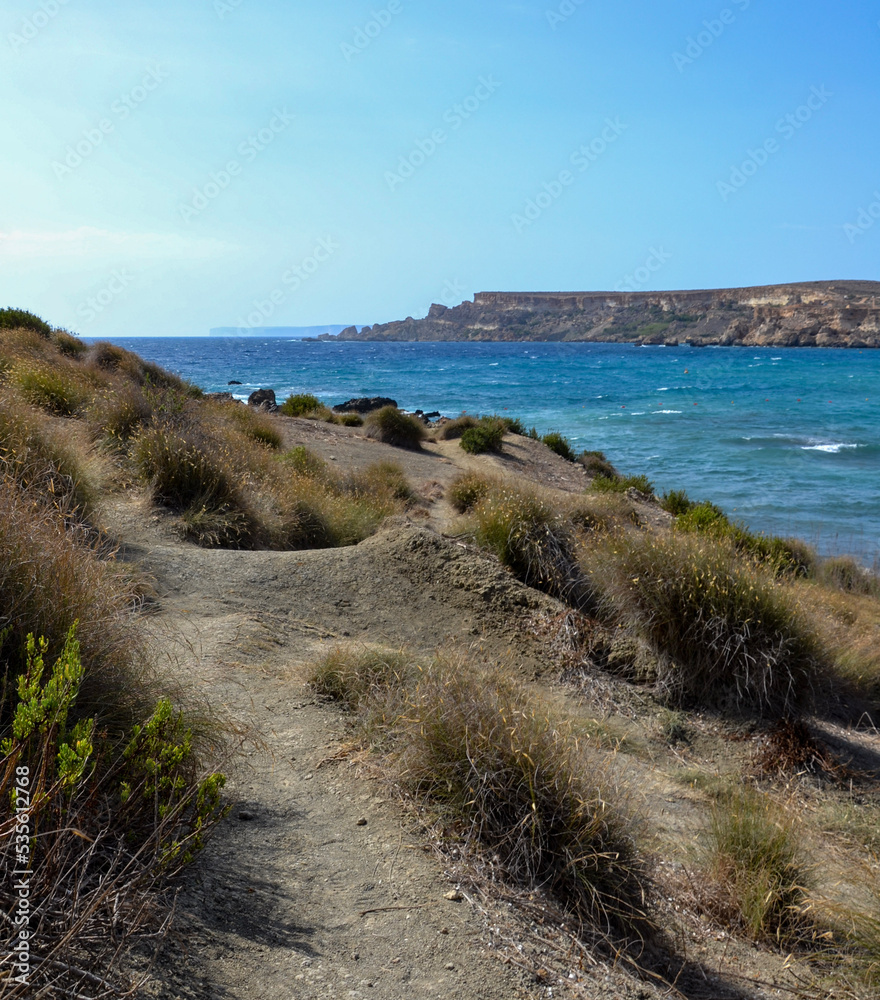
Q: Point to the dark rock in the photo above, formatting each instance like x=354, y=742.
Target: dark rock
x=220, y=397
x=233, y=382
x=263, y=399
x=246, y=817
x=366, y=404
x=433, y=415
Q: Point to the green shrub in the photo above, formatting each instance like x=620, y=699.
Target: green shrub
x=560, y=445
x=21, y=319
x=726, y=634
x=620, y=484
x=467, y=490
x=300, y=404
x=676, y=502
x=755, y=856
x=513, y=425
x=351, y=420
x=597, y=464
x=703, y=516
x=482, y=438
x=123, y=821
x=390, y=426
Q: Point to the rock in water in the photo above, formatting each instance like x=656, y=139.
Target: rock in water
x=263, y=399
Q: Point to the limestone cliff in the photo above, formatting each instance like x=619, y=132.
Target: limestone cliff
x=806, y=314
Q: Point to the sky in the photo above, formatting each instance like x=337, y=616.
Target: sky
x=172, y=166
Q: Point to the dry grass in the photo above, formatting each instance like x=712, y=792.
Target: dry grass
x=489, y=761
x=757, y=861
x=727, y=634
x=393, y=427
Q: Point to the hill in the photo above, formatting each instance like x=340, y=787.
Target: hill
x=807, y=314
x=496, y=721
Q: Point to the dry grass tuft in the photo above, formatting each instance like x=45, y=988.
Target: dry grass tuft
x=727, y=634
x=755, y=857
x=500, y=773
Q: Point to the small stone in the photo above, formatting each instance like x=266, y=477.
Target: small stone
x=453, y=895
x=450, y=966
x=356, y=955
x=444, y=930
x=362, y=821
x=246, y=816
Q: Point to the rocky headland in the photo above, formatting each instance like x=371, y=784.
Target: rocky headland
x=805, y=314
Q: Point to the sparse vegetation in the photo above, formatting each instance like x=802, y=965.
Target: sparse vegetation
x=597, y=464
x=559, y=444
x=620, y=484
x=480, y=753
x=485, y=437
x=393, y=427
x=725, y=633
x=755, y=857
x=468, y=490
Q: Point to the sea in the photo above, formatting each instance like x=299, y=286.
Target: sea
x=786, y=440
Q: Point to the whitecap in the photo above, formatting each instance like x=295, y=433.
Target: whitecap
x=664, y=389
x=832, y=449
x=667, y=411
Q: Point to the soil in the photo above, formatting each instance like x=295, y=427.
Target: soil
x=319, y=883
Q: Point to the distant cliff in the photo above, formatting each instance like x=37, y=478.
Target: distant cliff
x=807, y=314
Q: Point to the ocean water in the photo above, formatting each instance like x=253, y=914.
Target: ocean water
x=785, y=439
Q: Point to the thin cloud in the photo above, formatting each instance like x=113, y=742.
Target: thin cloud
x=88, y=243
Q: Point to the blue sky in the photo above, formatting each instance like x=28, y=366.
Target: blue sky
x=174, y=166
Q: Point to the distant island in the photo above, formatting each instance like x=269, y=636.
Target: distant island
x=804, y=314
x=298, y=332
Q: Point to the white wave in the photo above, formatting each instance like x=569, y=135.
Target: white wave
x=667, y=411
x=832, y=449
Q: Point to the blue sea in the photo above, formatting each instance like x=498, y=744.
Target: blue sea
x=785, y=439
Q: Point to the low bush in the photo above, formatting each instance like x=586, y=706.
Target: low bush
x=193, y=475
x=485, y=437
x=21, y=319
x=785, y=555
x=560, y=445
x=755, y=857
x=59, y=389
x=467, y=490
x=597, y=464
x=390, y=426
x=620, y=484
x=726, y=633
x=351, y=420
x=381, y=480
x=494, y=765
x=300, y=404
x=676, y=502
x=848, y=575
x=35, y=456
x=533, y=538
x=453, y=429
x=304, y=461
